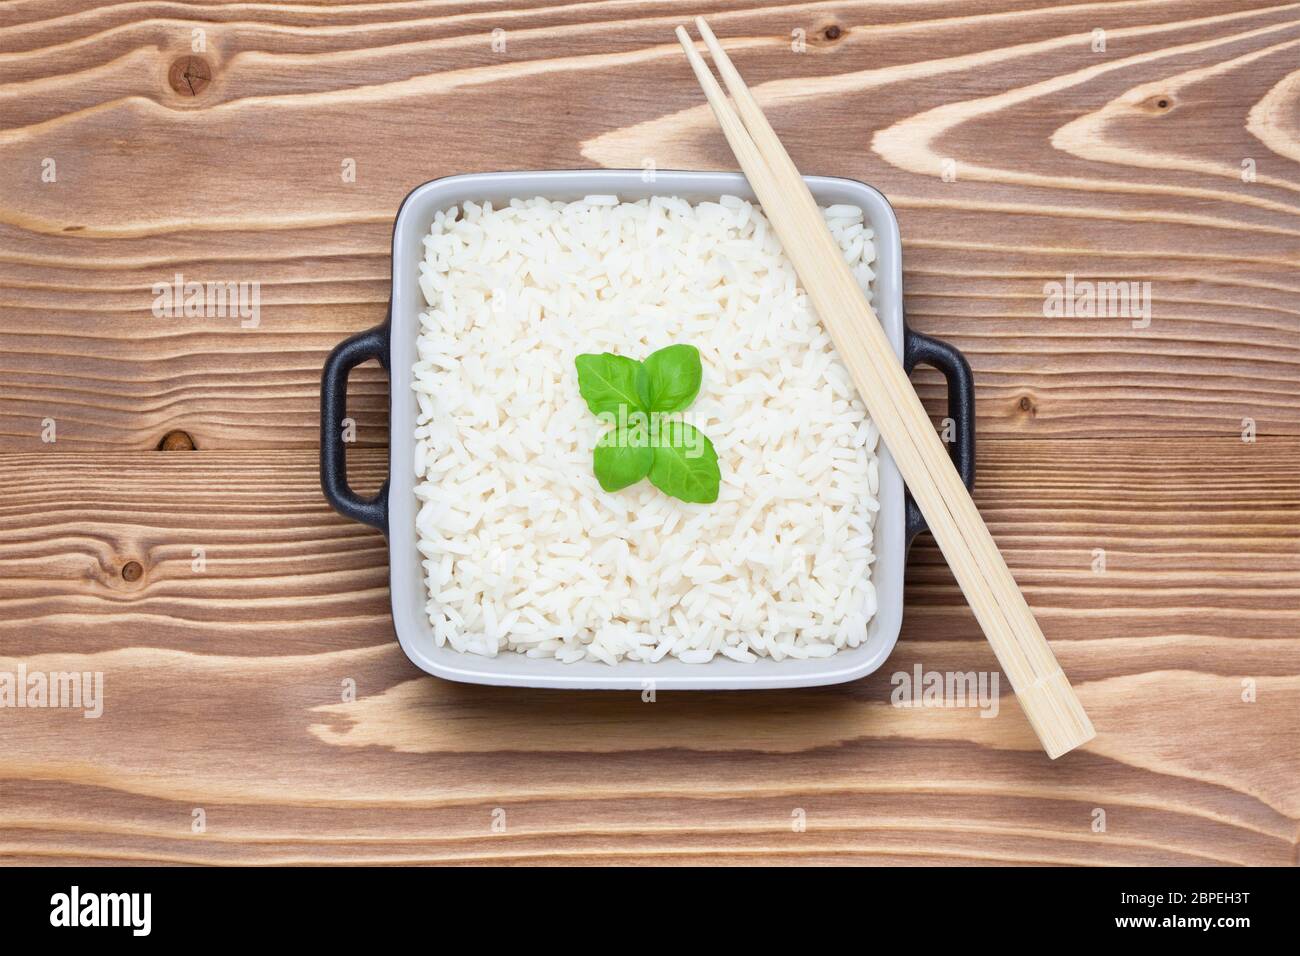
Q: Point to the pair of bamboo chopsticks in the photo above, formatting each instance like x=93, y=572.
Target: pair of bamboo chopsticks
x=1045, y=695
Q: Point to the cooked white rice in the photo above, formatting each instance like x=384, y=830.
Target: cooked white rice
x=522, y=549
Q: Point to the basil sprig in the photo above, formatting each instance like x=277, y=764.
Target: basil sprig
x=638, y=398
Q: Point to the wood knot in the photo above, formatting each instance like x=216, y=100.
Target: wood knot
x=1162, y=103
x=132, y=571
x=176, y=441
x=189, y=75
x=1027, y=405
x=832, y=32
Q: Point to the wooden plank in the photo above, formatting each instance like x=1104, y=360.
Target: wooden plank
x=1065, y=164
x=244, y=665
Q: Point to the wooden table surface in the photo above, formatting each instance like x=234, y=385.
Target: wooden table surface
x=1016, y=151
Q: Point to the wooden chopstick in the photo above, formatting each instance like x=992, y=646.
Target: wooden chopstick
x=1048, y=700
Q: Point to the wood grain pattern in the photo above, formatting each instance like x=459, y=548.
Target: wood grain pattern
x=223, y=689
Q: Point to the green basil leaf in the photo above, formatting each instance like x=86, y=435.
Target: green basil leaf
x=643, y=386
x=608, y=381
x=685, y=464
x=623, y=457
x=673, y=375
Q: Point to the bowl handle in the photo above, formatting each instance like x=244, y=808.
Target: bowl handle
x=921, y=349
x=347, y=355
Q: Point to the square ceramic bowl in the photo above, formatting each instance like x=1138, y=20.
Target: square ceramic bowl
x=394, y=509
